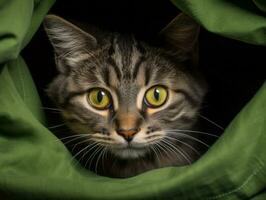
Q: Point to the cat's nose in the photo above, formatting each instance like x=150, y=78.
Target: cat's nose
x=128, y=134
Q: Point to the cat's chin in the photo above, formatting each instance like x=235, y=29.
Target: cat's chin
x=129, y=152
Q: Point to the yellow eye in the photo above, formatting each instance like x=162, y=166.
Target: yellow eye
x=99, y=98
x=156, y=96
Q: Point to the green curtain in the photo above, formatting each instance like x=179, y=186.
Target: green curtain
x=35, y=165
x=243, y=20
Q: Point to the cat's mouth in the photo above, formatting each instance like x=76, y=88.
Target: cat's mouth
x=129, y=153
x=130, y=150
x=131, y=147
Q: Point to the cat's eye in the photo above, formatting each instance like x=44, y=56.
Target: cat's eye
x=99, y=98
x=156, y=96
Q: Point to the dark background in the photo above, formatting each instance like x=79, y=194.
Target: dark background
x=234, y=70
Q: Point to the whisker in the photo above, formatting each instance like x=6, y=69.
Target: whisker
x=71, y=136
x=82, y=150
x=185, y=155
x=99, y=156
x=104, y=141
x=192, y=131
x=61, y=130
x=170, y=148
x=92, y=146
x=155, y=153
x=73, y=139
x=53, y=109
x=64, y=138
x=184, y=143
x=56, y=126
x=161, y=146
x=104, y=157
x=157, y=150
x=191, y=137
x=182, y=153
x=212, y=122
x=81, y=142
x=99, y=148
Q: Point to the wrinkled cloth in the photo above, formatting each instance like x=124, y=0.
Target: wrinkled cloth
x=34, y=164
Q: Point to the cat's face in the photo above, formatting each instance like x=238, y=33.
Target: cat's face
x=124, y=94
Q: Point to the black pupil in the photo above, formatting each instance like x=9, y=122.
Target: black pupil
x=100, y=96
x=156, y=94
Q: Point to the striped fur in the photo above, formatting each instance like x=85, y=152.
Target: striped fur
x=127, y=68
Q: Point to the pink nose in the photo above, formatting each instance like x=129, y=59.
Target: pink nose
x=128, y=134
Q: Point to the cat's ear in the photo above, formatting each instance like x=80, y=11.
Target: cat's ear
x=181, y=37
x=70, y=42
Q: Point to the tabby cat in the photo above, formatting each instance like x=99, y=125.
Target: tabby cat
x=132, y=105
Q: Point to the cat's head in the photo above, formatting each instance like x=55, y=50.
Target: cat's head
x=124, y=94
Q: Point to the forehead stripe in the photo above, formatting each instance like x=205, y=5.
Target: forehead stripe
x=137, y=65
x=147, y=75
x=111, y=61
x=105, y=76
x=116, y=68
x=141, y=58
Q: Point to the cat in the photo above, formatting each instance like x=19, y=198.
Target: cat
x=133, y=106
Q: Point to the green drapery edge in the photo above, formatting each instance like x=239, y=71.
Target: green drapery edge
x=241, y=20
x=35, y=165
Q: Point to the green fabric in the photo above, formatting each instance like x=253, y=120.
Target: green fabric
x=35, y=165
x=238, y=19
